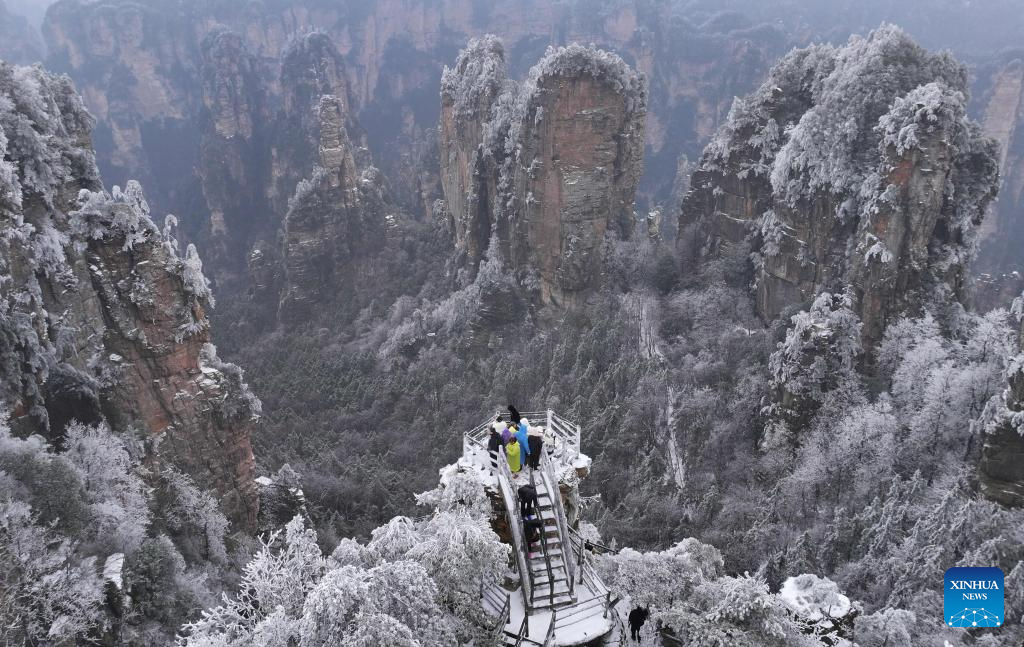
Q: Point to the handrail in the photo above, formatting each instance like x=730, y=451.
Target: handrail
x=512, y=504
x=606, y=549
x=544, y=547
x=563, y=526
x=503, y=616
x=568, y=433
x=549, y=639
x=524, y=630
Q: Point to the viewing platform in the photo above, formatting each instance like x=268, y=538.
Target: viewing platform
x=556, y=597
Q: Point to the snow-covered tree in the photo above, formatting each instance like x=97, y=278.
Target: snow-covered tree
x=47, y=592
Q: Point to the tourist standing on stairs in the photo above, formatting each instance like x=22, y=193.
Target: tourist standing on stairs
x=512, y=450
x=527, y=500
x=513, y=416
x=532, y=529
x=524, y=443
x=495, y=440
x=535, y=443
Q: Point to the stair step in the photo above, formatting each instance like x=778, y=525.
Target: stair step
x=538, y=562
x=561, y=586
x=547, y=602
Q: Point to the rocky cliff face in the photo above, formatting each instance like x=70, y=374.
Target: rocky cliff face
x=546, y=168
x=100, y=317
x=999, y=101
x=1001, y=471
x=233, y=164
x=469, y=170
x=834, y=186
x=338, y=216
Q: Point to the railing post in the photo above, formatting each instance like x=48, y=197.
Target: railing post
x=577, y=447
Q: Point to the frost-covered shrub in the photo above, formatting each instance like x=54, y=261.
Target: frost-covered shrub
x=241, y=401
x=49, y=593
x=820, y=350
x=926, y=109
x=40, y=114
x=657, y=579
x=394, y=539
x=817, y=604
x=479, y=73
x=154, y=579
x=887, y=627
x=118, y=215
x=425, y=576
x=192, y=273
x=192, y=515
x=112, y=486
x=47, y=482
x=733, y=612
x=823, y=149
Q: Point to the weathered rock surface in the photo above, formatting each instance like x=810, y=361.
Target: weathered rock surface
x=232, y=156
x=469, y=171
x=312, y=68
x=337, y=217
x=1001, y=470
x=546, y=168
x=999, y=100
x=100, y=318
x=833, y=186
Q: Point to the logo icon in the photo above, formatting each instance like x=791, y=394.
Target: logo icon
x=974, y=597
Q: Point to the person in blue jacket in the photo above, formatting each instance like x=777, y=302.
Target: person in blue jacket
x=524, y=443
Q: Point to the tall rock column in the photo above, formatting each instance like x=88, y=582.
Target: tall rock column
x=546, y=168
x=1001, y=471
x=336, y=219
x=232, y=161
x=469, y=166
x=578, y=157
x=850, y=166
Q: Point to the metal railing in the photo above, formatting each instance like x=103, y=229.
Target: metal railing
x=524, y=630
x=547, y=473
x=544, y=548
x=567, y=433
x=516, y=521
x=549, y=639
x=504, y=609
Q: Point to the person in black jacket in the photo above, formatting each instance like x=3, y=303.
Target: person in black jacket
x=494, y=441
x=527, y=500
x=513, y=415
x=637, y=618
x=532, y=528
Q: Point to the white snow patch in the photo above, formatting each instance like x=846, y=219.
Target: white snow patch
x=814, y=598
x=112, y=569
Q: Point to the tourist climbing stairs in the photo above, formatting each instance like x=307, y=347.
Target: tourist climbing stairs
x=549, y=558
